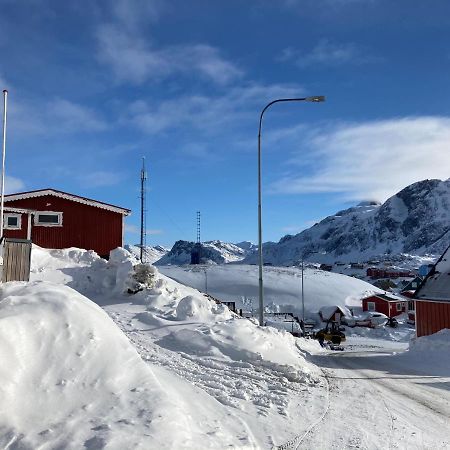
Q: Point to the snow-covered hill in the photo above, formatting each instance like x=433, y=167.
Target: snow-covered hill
x=212, y=252
x=414, y=221
x=282, y=286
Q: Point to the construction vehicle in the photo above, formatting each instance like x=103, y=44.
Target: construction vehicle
x=331, y=335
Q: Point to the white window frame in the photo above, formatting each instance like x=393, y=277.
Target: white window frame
x=19, y=221
x=46, y=224
x=399, y=307
x=371, y=306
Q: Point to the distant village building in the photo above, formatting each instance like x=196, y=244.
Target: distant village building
x=56, y=219
x=375, y=273
x=388, y=304
x=433, y=298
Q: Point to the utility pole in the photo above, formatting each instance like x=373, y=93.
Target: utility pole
x=143, y=230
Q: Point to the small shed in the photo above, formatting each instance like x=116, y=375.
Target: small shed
x=388, y=304
x=433, y=298
x=57, y=219
x=334, y=312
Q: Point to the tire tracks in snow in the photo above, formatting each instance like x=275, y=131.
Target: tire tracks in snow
x=294, y=443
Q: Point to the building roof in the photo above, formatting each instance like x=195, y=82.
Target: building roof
x=327, y=312
x=8, y=209
x=436, y=285
x=387, y=297
x=67, y=196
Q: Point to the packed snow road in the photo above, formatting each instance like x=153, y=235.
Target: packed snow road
x=380, y=400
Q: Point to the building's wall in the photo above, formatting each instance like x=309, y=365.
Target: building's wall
x=380, y=305
x=18, y=234
x=83, y=226
x=431, y=317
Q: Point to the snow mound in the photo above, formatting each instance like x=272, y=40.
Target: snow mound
x=199, y=308
x=438, y=342
x=61, y=386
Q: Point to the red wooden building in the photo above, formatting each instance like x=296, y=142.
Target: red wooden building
x=375, y=273
x=390, y=305
x=56, y=219
x=433, y=299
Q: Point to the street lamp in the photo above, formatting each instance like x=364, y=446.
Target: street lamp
x=313, y=99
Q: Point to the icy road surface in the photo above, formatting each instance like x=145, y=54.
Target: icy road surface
x=384, y=401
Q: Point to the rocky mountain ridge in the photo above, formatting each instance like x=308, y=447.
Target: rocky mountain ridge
x=416, y=220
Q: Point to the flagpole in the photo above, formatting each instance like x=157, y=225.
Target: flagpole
x=2, y=187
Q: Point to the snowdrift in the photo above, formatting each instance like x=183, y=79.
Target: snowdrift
x=69, y=378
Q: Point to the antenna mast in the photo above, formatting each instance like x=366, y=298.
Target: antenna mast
x=198, y=227
x=143, y=211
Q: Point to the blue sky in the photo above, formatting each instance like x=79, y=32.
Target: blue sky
x=96, y=85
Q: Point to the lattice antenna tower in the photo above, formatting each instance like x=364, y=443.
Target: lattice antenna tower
x=143, y=211
x=198, y=227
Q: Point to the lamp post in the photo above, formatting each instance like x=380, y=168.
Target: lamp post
x=314, y=99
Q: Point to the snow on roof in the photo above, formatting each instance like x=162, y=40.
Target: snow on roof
x=18, y=210
x=327, y=312
x=67, y=196
x=436, y=285
x=387, y=297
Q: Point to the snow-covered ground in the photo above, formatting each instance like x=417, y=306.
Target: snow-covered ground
x=282, y=286
x=167, y=367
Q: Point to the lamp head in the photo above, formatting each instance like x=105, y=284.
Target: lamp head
x=315, y=98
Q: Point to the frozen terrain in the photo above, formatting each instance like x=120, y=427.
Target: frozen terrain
x=85, y=363
x=282, y=286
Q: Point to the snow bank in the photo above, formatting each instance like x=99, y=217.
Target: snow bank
x=61, y=386
x=436, y=343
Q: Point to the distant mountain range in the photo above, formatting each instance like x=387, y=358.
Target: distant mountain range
x=217, y=252
x=414, y=221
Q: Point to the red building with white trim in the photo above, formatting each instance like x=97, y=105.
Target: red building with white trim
x=56, y=219
x=387, y=304
x=433, y=298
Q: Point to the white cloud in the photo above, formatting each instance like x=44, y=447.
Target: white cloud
x=328, y=53
x=100, y=178
x=133, y=13
x=371, y=160
x=133, y=229
x=71, y=116
x=208, y=114
x=52, y=117
x=13, y=184
x=133, y=59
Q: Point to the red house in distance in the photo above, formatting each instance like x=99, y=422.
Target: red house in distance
x=56, y=219
x=433, y=298
x=387, y=304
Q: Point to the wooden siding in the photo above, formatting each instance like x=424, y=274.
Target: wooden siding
x=16, y=260
x=83, y=226
x=384, y=307
x=431, y=317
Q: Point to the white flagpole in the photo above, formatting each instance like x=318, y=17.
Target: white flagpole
x=5, y=101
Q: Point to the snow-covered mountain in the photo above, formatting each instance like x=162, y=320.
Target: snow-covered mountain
x=217, y=252
x=151, y=254
x=416, y=220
